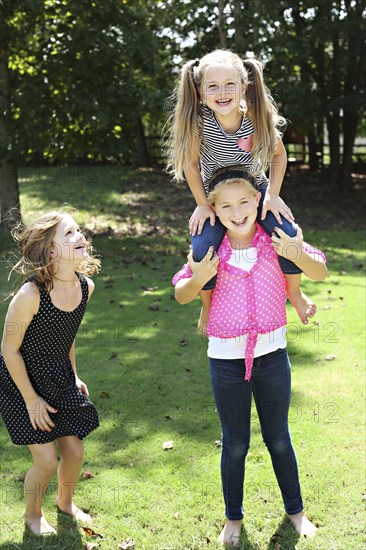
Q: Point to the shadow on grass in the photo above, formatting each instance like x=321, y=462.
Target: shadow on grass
x=68, y=537
x=285, y=536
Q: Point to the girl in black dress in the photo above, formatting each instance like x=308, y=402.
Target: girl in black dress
x=42, y=400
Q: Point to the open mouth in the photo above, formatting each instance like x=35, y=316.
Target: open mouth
x=223, y=102
x=80, y=246
x=239, y=223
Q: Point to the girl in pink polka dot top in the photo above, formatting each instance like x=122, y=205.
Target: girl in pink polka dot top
x=246, y=339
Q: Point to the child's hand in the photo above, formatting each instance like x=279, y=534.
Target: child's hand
x=204, y=270
x=198, y=218
x=82, y=387
x=288, y=247
x=277, y=206
x=38, y=410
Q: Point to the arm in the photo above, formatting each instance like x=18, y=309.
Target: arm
x=186, y=290
x=21, y=311
x=312, y=264
x=272, y=200
x=195, y=183
x=79, y=383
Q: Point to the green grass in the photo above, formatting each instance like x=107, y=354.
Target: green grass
x=147, y=373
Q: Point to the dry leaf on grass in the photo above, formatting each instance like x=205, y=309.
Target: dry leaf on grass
x=176, y=515
x=20, y=477
x=218, y=443
x=103, y=394
x=183, y=343
x=330, y=357
x=87, y=475
x=154, y=307
x=91, y=533
x=91, y=546
x=128, y=543
x=168, y=445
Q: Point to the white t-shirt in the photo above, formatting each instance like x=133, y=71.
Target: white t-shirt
x=234, y=348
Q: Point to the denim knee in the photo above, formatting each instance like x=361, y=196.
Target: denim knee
x=235, y=451
x=279, y=446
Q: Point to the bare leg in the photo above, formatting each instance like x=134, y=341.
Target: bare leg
x=304, y=306
x=302, y=525
x=230, y=535
x=205, y=296
x=72, y=453
x=35, y=485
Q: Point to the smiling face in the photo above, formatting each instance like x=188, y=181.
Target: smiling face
x=222, y=89
x=236, y=204
x=69, y=244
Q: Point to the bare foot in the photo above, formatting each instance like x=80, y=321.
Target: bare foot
x=304, y=306
x=38, y=524
x=230, y=535
x=72, y=510
x=203, y=320
x=302, y=525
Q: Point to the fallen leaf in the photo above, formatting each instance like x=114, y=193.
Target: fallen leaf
x=208, y=540
x=128, y=543
x=341, y=297
x=183, y=343
x=20, y=477
x=342, y=272
x=91, y=533
x=330, y=357
x=91, y=545
x=168, y=445
x=103, y=394
x=326, y=307
x=218, y=443
x=316, y=323
x=154, y=307
x=88, y=475
x=176, y=515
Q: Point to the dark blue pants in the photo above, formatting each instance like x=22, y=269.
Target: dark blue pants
x=213, y=236
x=271, y=386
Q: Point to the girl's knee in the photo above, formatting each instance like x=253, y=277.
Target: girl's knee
x=72, y=448
x=48, y=464
x=279, y=446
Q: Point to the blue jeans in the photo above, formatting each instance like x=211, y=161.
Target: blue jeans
x=213, y=236
x=271, y=386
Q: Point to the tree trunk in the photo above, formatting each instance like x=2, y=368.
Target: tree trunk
x=9, y=190
x=350, y=122
x=220, y=24
x=313, y=157
x=143, y=152
x=333, y=126
x=239, y=28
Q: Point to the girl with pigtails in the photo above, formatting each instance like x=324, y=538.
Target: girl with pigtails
x=224, y=115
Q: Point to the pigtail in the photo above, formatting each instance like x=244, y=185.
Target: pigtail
x=263, y=112
x=184, y=131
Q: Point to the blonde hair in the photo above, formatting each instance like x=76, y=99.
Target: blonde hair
x=184, y=130
x=35, y=243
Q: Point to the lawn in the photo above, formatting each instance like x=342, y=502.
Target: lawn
x=147, y=373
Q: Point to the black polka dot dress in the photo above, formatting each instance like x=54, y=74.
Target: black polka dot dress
x=45, y=350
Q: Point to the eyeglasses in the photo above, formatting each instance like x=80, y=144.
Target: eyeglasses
x=229, y=87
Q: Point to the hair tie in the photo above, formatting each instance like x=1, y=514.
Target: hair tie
x=230, y=173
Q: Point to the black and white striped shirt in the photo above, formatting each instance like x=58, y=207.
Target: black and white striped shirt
x=220, y=149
